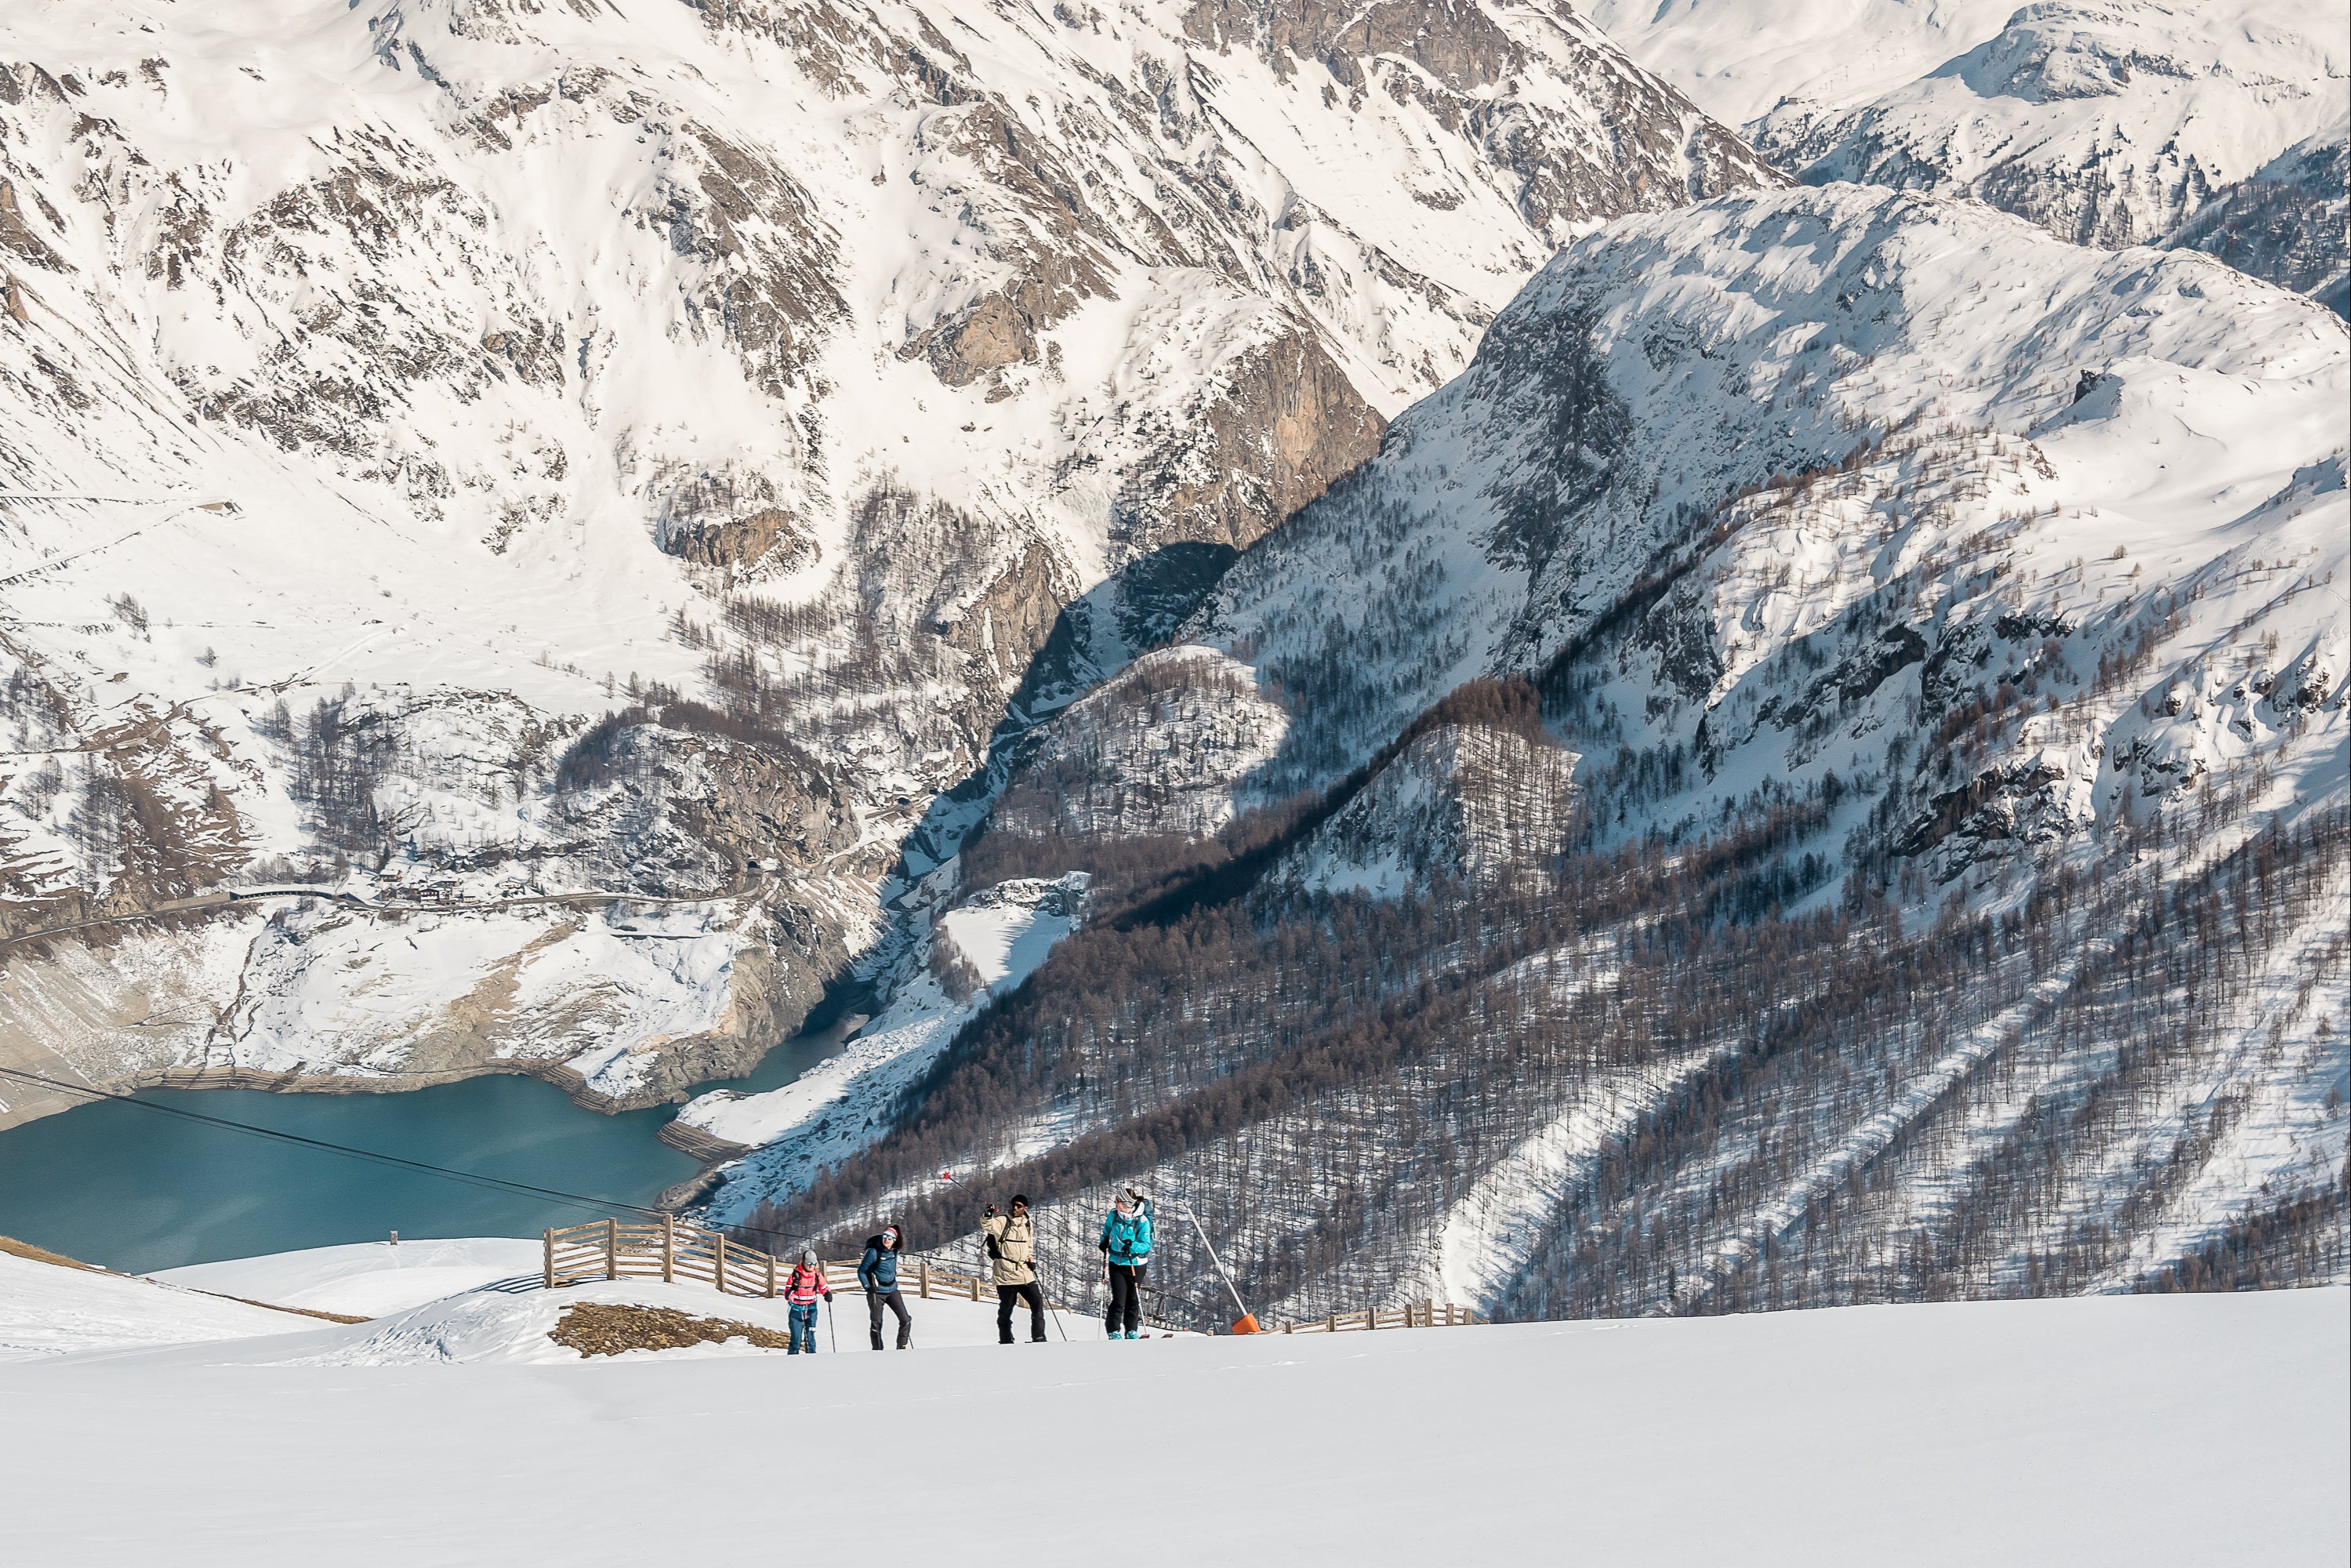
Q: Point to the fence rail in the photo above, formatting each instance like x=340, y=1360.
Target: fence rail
x=1411, y=1315
x=613, y=1250
x=609, y=1250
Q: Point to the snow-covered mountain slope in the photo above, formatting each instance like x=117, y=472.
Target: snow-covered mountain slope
x=990, y=941
x=2052, y=547
x=464, y=449
x=1473, y=802
x=2106, y=123
x=2077, y=1426
x=2109, y=122
x=1940, y=610
x=1168, y=745
x=2287, y=223
x=50, y=1309
x=1737, y=59
x=1732, y=433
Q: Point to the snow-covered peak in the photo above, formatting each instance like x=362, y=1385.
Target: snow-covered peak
x=2106, y=123
x=1738, y=58
x=1657, y=371
x=2109, y=122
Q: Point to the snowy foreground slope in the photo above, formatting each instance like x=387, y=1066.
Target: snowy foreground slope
x=365, y=1278
x=2110, y=1431
x=456, y=451
x=435, y=1302
x=47, y=1308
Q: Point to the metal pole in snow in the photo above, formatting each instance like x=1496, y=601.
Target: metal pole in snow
x=1213, y=1259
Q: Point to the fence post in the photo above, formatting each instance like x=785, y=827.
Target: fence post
x=669, y=1248
x=771, y=1275
x=611, y=1248
x=1331, y=1323
x=1372, y=1316
x=924, y=1265
x=549, y=1239
x=719, y=1253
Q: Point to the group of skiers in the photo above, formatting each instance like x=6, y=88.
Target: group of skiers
x=1010, y=1239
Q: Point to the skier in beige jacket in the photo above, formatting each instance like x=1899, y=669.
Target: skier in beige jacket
x=1011, y=1242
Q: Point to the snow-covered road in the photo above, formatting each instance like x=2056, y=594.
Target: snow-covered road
x=2113, y=1430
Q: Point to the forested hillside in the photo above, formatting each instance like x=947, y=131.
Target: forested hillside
x=1937, y=884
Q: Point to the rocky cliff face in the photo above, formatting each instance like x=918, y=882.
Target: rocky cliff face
x=459, y=450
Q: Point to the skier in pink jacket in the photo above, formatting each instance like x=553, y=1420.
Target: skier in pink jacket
x=803, y=1290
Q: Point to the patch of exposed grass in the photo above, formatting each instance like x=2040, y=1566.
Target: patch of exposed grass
x=603, y=1328
x=26, y=1250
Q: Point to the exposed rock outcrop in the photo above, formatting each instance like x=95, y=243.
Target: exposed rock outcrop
x=1269, y=436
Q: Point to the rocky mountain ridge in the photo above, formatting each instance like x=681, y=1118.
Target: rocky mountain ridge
x=2109, y=123
x=471, y=449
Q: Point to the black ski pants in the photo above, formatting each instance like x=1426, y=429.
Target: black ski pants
x=1125, y=1298
x=875, y=1301
x=1007, y=1297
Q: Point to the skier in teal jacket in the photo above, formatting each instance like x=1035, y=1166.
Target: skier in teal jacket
x=1126, y=1252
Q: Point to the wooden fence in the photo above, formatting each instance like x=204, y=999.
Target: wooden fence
x=1411, y=1315
x=609, y=1250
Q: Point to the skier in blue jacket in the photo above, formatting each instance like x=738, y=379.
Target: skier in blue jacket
x=878, y=1272
x=1126, y=1251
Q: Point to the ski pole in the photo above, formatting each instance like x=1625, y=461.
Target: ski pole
x=832, y=1334
x=1037, y=1269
